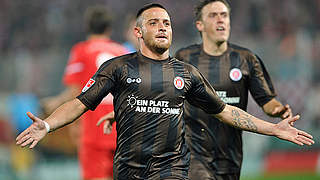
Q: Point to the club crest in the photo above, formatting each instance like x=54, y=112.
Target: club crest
x=178, y=82
x=235, y=74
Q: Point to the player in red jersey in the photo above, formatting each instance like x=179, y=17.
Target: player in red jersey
x=95, y=149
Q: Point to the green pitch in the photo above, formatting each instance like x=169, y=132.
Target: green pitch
x=285, y=177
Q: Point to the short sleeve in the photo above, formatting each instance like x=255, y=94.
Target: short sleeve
x=202, y=95
x=99, y=86
x=260, y=84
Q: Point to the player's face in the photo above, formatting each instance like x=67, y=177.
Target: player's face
x=215, y=23
x=156, y=29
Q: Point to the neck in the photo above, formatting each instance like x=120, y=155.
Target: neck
x=214, y=48
x=98, y=36
x=153, y=55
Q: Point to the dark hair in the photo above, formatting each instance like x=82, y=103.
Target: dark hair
x=203, y=3
x=149, y=6
x=128, y=20
x=98, y=20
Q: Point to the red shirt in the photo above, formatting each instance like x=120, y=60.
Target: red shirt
x=85, y=59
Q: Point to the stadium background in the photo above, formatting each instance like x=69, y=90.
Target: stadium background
x=36, y=36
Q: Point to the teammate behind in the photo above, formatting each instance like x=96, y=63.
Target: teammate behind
x=131, y=43
x=96, y=150
x=216, y=148
x=149, y=89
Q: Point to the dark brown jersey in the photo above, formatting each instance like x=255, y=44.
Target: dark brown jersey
x=233, y=75
x=148, y=102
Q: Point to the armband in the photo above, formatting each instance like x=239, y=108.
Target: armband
x=47, y=126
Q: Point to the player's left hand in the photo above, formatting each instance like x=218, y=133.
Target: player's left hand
x=108, y=119
x=283, y=112
x=284, y=130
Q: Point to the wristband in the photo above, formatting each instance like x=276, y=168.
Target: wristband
x=47, y=126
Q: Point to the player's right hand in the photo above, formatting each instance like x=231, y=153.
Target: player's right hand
x=33, y=134
x=108, y=119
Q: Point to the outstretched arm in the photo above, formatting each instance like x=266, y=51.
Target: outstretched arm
x=283, y=130
x=65, y=114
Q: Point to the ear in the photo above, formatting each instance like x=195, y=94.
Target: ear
x=199, y=26
x=137, y=32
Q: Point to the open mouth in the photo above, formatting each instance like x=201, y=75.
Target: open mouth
x=220, y=28
x=161, y=37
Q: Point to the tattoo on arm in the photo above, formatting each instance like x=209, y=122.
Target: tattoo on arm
x=244, y=121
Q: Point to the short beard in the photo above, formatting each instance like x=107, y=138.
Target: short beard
x=159, y=49
x=219, y=43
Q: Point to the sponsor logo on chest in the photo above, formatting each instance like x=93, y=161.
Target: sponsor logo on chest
x=229, y=100
x=134, y=80
x=142, y=105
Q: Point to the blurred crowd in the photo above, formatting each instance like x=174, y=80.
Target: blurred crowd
x=36, y=36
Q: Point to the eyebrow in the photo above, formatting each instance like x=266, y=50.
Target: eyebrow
x=220, y=12
x=157, y=19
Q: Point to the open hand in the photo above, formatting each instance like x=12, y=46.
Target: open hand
x=33, y=134
x=285, y=130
